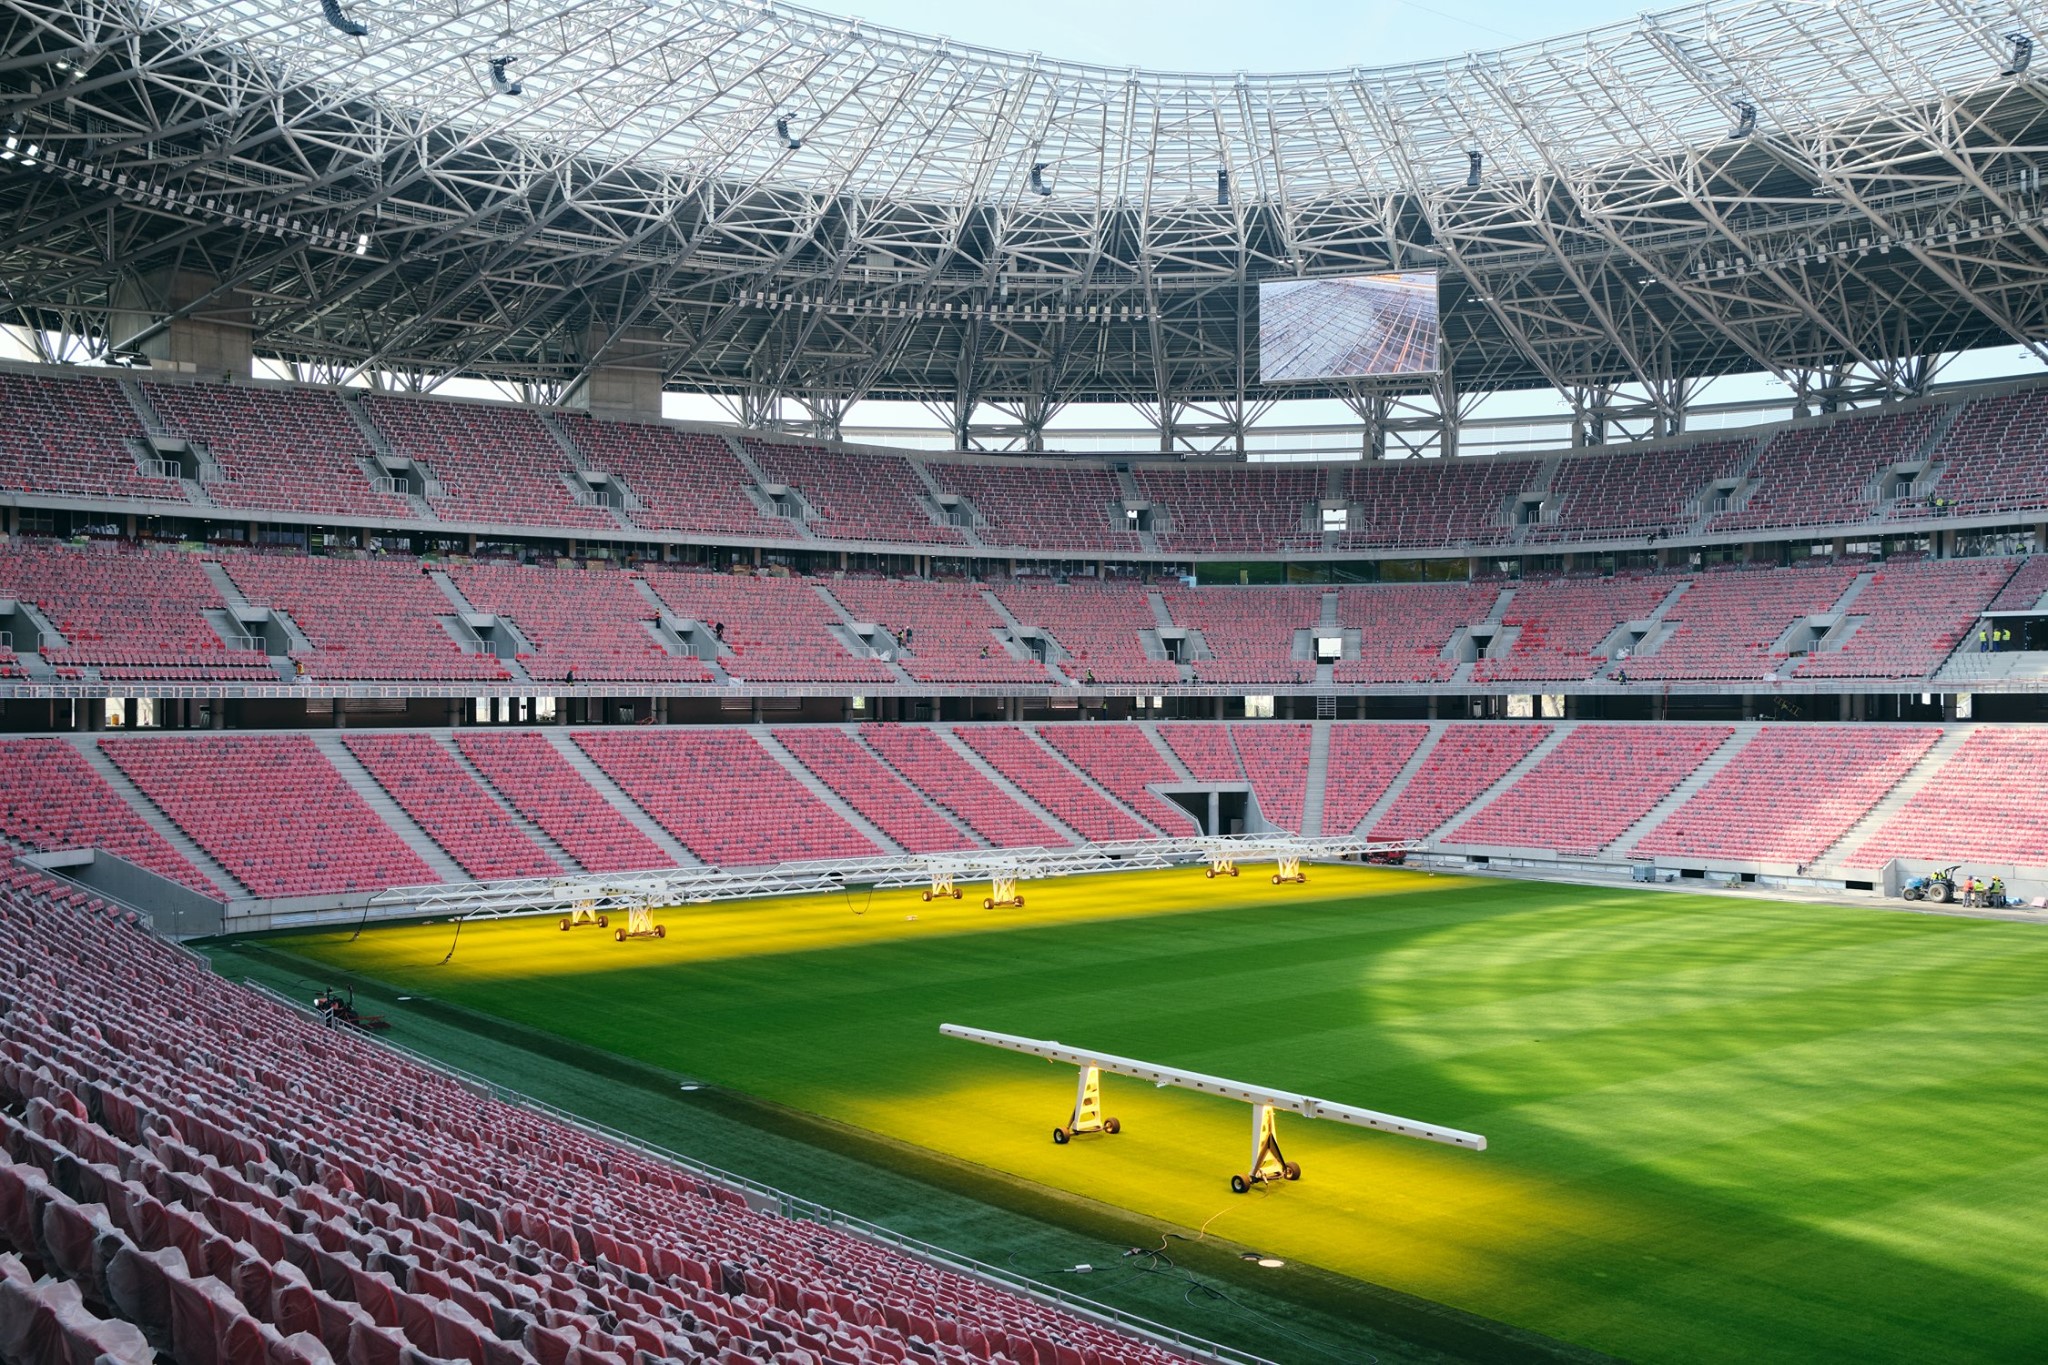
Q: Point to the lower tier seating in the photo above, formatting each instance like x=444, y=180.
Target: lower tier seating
x=1123, y=760
x=1042, y=777
x=1465, y=760
x=866, y=783
x=1364, y=761
x=1585, y=793
x=447, y=803
x=192, y=1169
x=1275, y=757
x=534, y=778
x=51, y=799
x=1978, y=806
x=927, y=762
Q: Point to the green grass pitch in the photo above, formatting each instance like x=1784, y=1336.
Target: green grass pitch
x=1721, y=1129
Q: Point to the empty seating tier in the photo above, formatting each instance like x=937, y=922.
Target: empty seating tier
x=1909, y=616
x=203, y=1173
x=1275, y=758
x=1559, y=623
x=682, y=480
x=1042, y=777
x=1979, y=806
x=1205, y=751
x=1585, y=793
x=1727, y=625
x=1632, y=493
x=723, y=796
x=130, y=615
x=51, y=800
x=777, y=629
x=447, y=803
x=1364, y=761
x=865, y=783
x=1789, y=794
x=1428, y=503
x=74, y=438
x=593, y=625
x=1825, y=474
x=1402, y=630
x=272, y=811
x=285, y=448
x=493, y=463
x=924, y=759
x=944, y=632
x=1043, y=507
x=1466, y=759
x=1123, y=761
x=856, y=495
x=1249, y=632
x=540, y=784
x=366, y=619
x=1100, y=626
x=1242, y=507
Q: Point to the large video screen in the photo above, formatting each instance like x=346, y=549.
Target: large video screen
x=1353, y=327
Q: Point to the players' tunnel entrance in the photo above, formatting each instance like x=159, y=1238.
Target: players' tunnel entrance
x=1216, y=810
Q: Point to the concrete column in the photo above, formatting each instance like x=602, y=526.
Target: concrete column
x=1219, y=708
x=1215, y=812
x=341, y=713
x=220, y=714
x=754, y=715
x=209, y=336
x=625, y=378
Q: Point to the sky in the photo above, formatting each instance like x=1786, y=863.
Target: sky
x=1238, y=35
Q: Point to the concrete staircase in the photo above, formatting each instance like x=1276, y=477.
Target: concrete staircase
x=619, y=801
x=446, y=739
x=816, y=787
x=421, y=508
x=1318, y=774
x=153, y=815
x=1089, y=782
x=761, y=479
x=1007, y=787
x=465, y=638
x=1904, y=790
x=1180, y=769
x=1968, y=668
x=1447, y=832
x=1683, y=792
x=387, y=809
x=933, y=490
x=1400, y=783
x=846, y=619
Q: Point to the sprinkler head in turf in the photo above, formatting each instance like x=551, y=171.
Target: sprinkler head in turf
x=1262, y=1259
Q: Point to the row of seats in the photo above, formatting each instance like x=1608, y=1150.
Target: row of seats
x=128, y=614
x=533, y=777
x=192, y=1172
x=924, y=760
x=882, y=798
x=1041, y=776
x=445, y=801
x=595, y=627
x=1585, y=793
x=950, y=631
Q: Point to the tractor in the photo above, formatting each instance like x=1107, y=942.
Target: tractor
x=1940, y=888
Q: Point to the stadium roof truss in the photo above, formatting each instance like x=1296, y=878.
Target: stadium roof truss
x=782, y=207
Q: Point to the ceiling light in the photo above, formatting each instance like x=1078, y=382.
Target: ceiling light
x=1038, y=185
x=782, y=131
x=504, y=84
x=1745, y=120
x=1222, y=187
x=2022, y=54
x=1472, y=175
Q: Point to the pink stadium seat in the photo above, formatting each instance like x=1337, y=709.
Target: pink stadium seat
x=495, y=464
x=1971, y=808
x=1012, y=751
x=864, y=782
x=684, y=480
x=1364, y=761
x=1402, y=629
x=1585, y=793
x=129, y=615
x=447, y=803
x=924, y=760
x=778, y=629
x=51, y=799
x=952, y=629
x=1559, y=623
x=294, y=449
x=1249, y=631
x=593, y=622
x=1124, y=762
x=1275, y=758
x=1467, y=758
x=71, y=437
x=1100, y=626
x=858, y=495
x=367, y=619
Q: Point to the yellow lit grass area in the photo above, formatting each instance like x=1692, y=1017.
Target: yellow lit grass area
x=1721, y=1129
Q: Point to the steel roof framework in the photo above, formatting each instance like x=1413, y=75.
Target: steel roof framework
x=371, y=207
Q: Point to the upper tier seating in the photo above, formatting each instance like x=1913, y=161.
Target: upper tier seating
x=2025, y=589
x=271, y=810
x=69, y=438
x=778, y=629
x=495, y=463
x=1790, y=793
x=1913, y=613
x=1402, y=630
x=1990, y=459
x=1585, y=793
x=924, y=759
x=1632, y=493
x=1467, y=758
x=1243, y=507
x=1729, y=621
x=723, y=796
x=366, y=618
x=856, y=495
x=132, y=615
x=1561, y=621
x=1275, y=757
x=591, y=623
x=1978, y=807
x=446, y=802
x=1364, y=761
x=865, y=783
x=1249, y=631
x=1041, y=776
x=1423, y=503
x=1205, y=751
x=539, y=783
x=1058, y=507
x=51, y=800
x=1122, y=760
x=952, y=630
x=1099, y=625
x=283, y=448
x=684, y=480
x=1822, y=475
x=205, y=1173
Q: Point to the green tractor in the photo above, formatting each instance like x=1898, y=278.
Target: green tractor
x=1939, y=889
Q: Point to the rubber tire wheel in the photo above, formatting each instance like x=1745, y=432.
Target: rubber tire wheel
x=1941, y=893
x=956, y=895
x=1112, y=1126
x=604, y=921
x=1276, y=879
x=618, y=935
x=1019, y=902
x=1211, y=873
x=987, y=903
x=1291, y=1171
x=565, y=926
x=661, y=931
x=1059, y=1137
x=1239, y=1185
x=927, y=896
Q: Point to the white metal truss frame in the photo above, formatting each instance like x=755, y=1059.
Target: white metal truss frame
x=1001, y=233
x=626, y=891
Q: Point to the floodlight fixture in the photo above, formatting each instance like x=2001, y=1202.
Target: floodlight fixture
x=1222, y=187
x=1038, y=185
x=793, y=142
x=504, y=84
x=353, y=28
x=1745, y=120
x=1477, y=161
x=2022, y=54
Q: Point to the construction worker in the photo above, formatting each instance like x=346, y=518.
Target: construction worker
x=1983, y=639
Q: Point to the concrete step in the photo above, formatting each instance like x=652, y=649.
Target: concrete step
x=446, y=739
x=1318, y=775
x=1683, y=792
x=153, y=815
x=619, y=801
x=1902, y=791
x=1446, y=833
x=847, y=618
x=464, y=637
x=1172, y=760
x=817, y=787
x=1394, y=789
x=1006, y=786
x=387, y=809
x=1161, y=617
x=1089, y=782
x=966, y=831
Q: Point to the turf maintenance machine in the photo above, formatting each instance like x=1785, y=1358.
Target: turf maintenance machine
x=585, y=912
x=1268, y=1163
x=1003, y=893
x=640, y=923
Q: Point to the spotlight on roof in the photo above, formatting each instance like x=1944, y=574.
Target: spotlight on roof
x=1038, y=185
x=332, y=9
x=782, y=131
x=1745, y=120
x=2022, y=54
x=1222, y=187
x=504, y=84
x=1472, y=175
